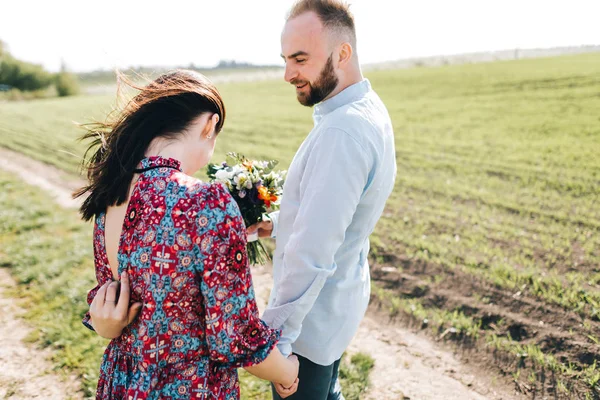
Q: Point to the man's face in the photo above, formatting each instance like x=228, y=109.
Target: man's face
x=308, y=62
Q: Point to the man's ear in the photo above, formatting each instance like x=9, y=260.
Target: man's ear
x=345, y=54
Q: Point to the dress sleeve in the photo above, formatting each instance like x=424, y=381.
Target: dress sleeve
x=100, y=278
x=87, y=319
x=235, y=334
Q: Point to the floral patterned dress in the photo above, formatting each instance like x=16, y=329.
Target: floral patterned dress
x=183, y=245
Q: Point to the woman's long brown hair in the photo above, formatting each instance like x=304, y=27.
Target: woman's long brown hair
x=163, y=108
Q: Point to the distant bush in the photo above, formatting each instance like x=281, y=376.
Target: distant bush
x=20, y=80
x=67, y=84
x=22, y=75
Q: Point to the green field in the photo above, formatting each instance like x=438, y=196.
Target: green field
x=494, y=224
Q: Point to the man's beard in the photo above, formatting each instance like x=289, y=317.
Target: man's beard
x=323, y=86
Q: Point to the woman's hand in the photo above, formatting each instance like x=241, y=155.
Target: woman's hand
x=109, y=316
x=284, y=391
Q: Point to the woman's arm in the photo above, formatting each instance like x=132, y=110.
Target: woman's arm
x=235, y=334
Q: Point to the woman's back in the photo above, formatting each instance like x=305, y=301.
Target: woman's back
x=182, y=245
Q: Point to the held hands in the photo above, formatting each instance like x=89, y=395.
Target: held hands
x=109, y=316
x=284, y=391
x=264, y=229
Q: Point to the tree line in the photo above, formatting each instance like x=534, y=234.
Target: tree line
x=29, y=77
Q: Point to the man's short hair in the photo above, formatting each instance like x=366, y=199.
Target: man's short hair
x=335, y=15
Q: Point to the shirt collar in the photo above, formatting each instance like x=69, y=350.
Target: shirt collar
x=351, y=94
x=158, y=161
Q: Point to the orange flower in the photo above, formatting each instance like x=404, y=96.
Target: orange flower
x=248, y=165
x=263, y=194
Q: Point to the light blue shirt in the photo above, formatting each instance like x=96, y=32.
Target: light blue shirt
x=335, y=191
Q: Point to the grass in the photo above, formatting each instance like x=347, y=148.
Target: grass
x=467, y=329
x=354, y=375
x=498, y=173
x=540, y=361
x=48, y=252
x=441, y=322
x=107, y=78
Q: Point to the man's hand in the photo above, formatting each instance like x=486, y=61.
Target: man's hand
x=110, y=316
x=264, y=228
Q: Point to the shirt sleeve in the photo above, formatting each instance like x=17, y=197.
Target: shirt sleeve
x=235, y=334
x=335, y=176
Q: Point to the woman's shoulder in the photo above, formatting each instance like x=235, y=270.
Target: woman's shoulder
x=206, y=195
x=217, y=196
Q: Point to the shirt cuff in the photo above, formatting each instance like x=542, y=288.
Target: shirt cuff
x=285, y=349
x=274, y=217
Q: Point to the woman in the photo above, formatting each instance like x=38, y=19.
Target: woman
x=179, y=247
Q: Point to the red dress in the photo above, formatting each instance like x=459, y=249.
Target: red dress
x=183, y=244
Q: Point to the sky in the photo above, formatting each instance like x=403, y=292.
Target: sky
x=91, y=35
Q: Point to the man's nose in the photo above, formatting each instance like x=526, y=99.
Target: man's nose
x=290, y=72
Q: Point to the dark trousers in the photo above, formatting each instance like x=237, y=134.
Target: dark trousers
x=317, y=382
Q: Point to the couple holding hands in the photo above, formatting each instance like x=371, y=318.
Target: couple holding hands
x=174, y=286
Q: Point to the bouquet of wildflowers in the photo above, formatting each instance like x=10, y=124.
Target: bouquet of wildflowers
x=256, y=188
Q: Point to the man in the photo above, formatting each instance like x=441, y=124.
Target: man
x=335, y=192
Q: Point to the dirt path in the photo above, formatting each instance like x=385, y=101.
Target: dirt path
x=407, y=366
x=26, y=373
x=46, y=177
